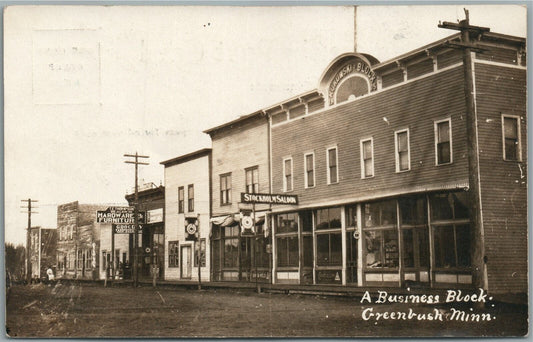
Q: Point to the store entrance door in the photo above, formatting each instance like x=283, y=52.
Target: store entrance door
x=186, y=262
x=351, y=257
x=415, y=256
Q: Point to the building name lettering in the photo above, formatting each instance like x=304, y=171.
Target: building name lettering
x=268, y=198
x=360, y=68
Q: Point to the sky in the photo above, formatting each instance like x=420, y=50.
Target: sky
x=86, y=85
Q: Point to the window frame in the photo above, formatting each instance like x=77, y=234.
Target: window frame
x=190, y=200
x=361, y=142
x=181, y=200
x=519, y=138
x=173, y=254
x=285, y=188
x=397, y=151
x=225, y=200
x=306, y=171
x=254, y=181
x=329, y=166
x=436, y=139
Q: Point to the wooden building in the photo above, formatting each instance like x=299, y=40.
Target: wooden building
x=43, y=242
x=151, y=238
x=78, y=241
x=187, y=214
x=378, y=156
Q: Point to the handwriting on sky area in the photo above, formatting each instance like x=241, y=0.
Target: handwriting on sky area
x=426, y=307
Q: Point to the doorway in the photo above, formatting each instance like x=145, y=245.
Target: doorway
x=186, y=262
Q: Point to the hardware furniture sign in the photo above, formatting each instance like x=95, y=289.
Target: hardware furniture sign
x=119, y=215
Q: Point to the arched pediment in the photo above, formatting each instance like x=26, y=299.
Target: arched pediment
x=349, y=75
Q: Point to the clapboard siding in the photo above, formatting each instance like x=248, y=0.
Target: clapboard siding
x=234, y=149
x=499, y=55
x=449, y=58
x=376, y=116
x=315, y=105
x=503, y=183
x=420, y=68
x=297, y=111
x=391, y=79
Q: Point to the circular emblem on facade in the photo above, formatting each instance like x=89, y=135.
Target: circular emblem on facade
x=247, y=222
x=191, y=229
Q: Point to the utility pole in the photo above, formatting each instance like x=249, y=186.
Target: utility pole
x=28, y=241
x=468, y=33
x=135, y=213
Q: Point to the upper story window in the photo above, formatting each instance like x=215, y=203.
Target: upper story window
x=511, y=138
x=252, y=179
x=181, y=200
x=287, y=174
x=190, y=197
x=225, y=189
x=333, y=170
x=367, y=158
x=309, y=164
x=401, y=143
x=443, y=142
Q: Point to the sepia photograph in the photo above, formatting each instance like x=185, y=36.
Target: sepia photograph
x=266, y=171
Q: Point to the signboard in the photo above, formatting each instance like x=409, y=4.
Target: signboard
x=119, y=215
x=155, y=215
x=268, y=198
x=126, y=228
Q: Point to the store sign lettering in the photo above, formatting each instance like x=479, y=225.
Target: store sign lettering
x=268, y=198
x=361, y=68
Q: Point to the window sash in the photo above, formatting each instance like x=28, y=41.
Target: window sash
x=181, y=200
x=252, y=180
x=367, y=158
x=190, y=199
x=225, y=189
x=310, y=170
x=511, y=138
x=332, y=166
x=287, y=171
x=443, y=142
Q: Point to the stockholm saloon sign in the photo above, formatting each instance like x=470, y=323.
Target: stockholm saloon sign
x=268, y=198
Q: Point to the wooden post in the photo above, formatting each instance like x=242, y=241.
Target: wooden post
x=474, y=193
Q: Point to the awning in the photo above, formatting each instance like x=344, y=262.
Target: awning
x=223, y=221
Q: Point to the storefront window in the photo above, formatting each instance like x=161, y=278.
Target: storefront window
x=231, y=252
x=329, y=249
x=413, y=210
x=328, y=218
x=173, y=254
x=451, y=228
x=202, y=253
x=306, y=218
x=379, y=214
x=351, y=216
x=382, y=248
x=287, y=223
x=287, y=251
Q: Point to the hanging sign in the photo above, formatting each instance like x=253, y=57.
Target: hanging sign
x=126, y=228
x=191, y=228
x=247, y=223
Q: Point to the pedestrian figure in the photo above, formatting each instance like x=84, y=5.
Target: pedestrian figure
x=50, y=275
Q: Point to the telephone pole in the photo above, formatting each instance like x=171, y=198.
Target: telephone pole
x=135, y=214
x=469, y=33
x=28, y=241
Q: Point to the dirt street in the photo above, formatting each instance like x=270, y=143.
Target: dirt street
x=93, y=311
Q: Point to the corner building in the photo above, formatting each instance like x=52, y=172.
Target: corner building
x=378, y=158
